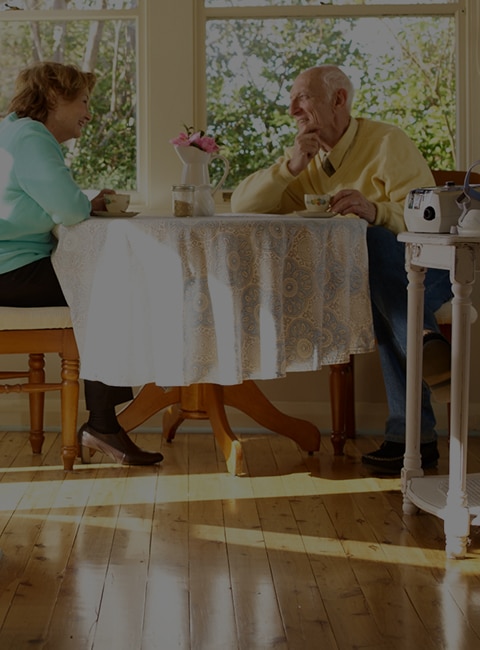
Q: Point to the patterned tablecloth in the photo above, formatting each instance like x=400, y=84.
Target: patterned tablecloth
x=214, y=299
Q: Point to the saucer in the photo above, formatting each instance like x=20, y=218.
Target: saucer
x=321, y=214
x=114, y=215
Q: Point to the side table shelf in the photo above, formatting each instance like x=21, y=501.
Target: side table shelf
x=429, y=493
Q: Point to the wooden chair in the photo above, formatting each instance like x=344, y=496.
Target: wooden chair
x=342, y=380
x=456, y=177
x=37, y=331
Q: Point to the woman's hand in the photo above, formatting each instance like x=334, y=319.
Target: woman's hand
x=98, y=202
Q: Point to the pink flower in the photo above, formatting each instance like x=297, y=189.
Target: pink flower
x=181, y=140
x=208, y=144
x=197, y=139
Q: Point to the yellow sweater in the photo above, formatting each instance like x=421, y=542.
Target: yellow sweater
x=379, y=160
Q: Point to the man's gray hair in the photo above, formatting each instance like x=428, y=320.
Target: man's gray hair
x=333, y=79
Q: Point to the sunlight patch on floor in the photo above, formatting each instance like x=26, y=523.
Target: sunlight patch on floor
x=325, y=546
x=140, y=488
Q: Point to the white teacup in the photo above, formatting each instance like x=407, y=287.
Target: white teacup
x=317, y=202
x=117, y=202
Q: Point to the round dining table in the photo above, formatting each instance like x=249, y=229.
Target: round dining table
x=195, y=310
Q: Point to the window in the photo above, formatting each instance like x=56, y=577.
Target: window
x=165, y=63
x=96, y=35
x=403, y=63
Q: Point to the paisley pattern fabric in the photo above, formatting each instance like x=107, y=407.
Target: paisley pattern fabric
x=214, y=299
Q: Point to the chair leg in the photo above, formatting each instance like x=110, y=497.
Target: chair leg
x=70, y=391
x=342, y=404
x=36, y=364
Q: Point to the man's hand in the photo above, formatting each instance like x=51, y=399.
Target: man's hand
x=353, y=202
x=307, y=145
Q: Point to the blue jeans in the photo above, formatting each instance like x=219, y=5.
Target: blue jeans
x=388, y=292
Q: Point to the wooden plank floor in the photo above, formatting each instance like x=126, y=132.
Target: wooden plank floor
x=301, y=553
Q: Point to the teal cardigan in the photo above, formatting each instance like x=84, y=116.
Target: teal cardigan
x=37, y=192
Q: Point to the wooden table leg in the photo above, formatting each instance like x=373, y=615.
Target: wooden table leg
x=172, y=419
x=196, y=402
x=207, y=402
x=230, y=446
x=247, y=397
x=190, y=405
x=149, y=401
x=341, y=399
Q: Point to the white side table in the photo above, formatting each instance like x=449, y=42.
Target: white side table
x=454, y=498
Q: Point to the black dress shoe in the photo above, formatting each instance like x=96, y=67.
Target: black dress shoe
x=388, y=459
x=118, y=446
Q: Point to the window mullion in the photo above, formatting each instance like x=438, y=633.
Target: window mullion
x=55, y=15
x=332, y=11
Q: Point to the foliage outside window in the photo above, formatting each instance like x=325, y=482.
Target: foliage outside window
x=401, y=74
x=106, y=154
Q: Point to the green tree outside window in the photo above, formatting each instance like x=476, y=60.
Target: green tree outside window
x=401, y=76
x=106, y=154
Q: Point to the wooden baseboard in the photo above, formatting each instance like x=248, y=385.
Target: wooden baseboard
x=369, y=416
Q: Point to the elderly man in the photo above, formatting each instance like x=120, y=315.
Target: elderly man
x=367, y=168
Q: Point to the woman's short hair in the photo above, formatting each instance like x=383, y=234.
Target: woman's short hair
x=39, y=86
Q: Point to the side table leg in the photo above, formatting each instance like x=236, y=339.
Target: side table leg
x=456, y=514
x=412, y=462
x=457, y=529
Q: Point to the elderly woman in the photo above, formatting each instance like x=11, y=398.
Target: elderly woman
x=37, y=192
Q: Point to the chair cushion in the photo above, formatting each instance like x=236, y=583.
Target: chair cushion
x=34, y=318
x=444, y=314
